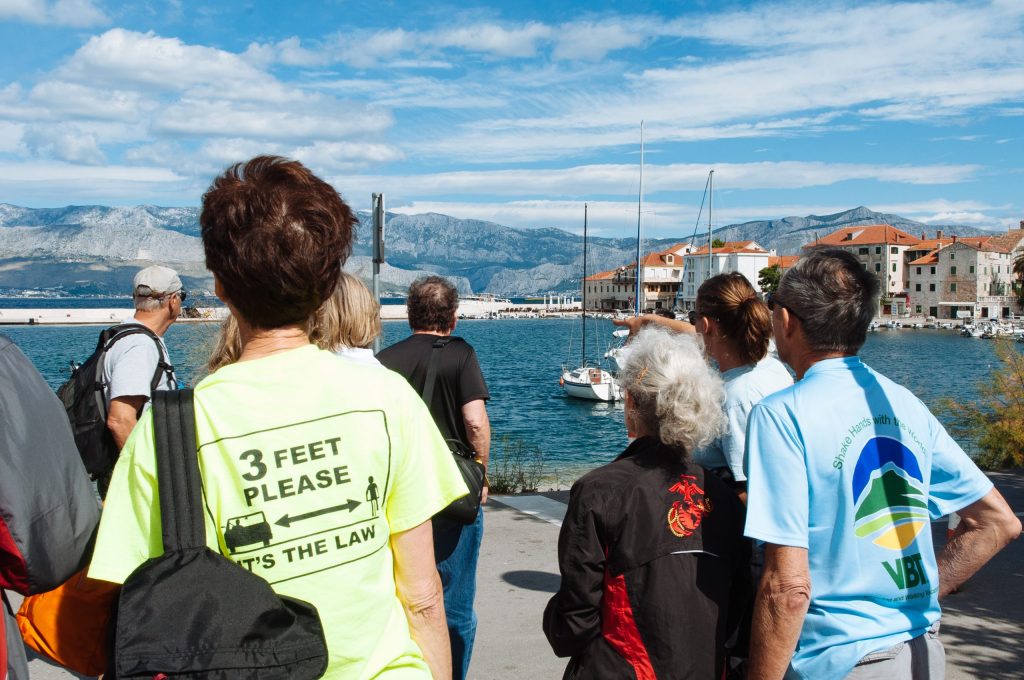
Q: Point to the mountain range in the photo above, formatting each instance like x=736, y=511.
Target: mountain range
x=96, y=249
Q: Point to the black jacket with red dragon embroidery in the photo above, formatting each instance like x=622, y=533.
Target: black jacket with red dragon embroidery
x=655, y=570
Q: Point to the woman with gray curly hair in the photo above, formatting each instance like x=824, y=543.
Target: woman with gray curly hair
x=652, y=555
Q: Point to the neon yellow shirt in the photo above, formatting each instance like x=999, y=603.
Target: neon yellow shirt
x=309, y=464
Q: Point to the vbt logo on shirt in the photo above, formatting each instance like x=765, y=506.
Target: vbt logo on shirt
x=892, y=507
x=907, y=572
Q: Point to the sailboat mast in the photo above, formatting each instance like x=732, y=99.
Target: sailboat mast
x=584, y=358
x=711, y=202
x=639, y=226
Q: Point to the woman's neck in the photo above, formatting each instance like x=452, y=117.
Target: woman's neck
x=726, y=356
x=258, y=343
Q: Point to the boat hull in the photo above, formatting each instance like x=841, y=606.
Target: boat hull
x=591, y=384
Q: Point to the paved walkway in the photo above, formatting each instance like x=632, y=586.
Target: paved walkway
x=982, y=626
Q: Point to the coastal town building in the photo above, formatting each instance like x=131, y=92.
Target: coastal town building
x=881, y=249
x=746, y=257
x=616, y=289
x=966, y=277
x=946, y=277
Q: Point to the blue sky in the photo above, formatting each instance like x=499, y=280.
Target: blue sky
x=520, y=112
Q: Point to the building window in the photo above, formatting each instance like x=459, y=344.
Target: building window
x=917, y=287
x=971, y=269
x=933, y=270
x=952, y=256
x=952, y=288
x=894, y=267
x=862, y=251
x=917, y=309
x=878, y=266
x=893, y=250
x=878, y=250
x=918, y=271
x=931, y=287
x=952, y=271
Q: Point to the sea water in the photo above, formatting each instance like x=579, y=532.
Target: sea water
x=522, y=361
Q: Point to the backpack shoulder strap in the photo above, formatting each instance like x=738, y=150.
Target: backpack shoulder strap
x=163, y=365
x=177, y=465
x=435, y=361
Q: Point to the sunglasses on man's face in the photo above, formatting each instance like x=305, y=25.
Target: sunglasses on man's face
x=773, y=301
x=182, y=294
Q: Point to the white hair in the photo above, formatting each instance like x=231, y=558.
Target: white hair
x=148, y=304
x=676, y=395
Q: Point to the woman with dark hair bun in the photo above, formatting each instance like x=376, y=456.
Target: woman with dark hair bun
x=736, y=326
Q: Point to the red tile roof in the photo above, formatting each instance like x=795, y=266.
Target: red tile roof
x=871, y=234
x=784, y=261
x=732, y=247
x=601, y=276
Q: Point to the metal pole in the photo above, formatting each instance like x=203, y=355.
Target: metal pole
x=711, y=202
x=584, y=362
x=378, y=253
x=639, y=228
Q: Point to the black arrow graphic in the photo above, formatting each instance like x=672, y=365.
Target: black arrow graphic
x=286, y=521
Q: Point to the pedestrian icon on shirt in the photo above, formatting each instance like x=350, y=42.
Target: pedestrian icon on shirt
x=372, y=497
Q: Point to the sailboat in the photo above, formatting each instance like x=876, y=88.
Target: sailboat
x=588, y=382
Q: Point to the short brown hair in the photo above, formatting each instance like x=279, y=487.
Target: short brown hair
x=275, y=236
x=432, y=304
x=744, y=318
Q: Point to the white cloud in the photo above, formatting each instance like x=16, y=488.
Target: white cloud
x=60, y=98
x=594, y=40
x=79, y=13
x=10, y=136
x=494, y=39
x=63, y=142
x=777, y=68
x=330, y=120
x=51, y=172
x=33, y=11
x=334, y=156
x=289, y=52
x=126, y=58
x=74, y=13
x=622, y=179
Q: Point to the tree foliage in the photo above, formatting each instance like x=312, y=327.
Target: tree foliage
x=1018, y=285
x=717, y=243
x=996, y=419
x=769, y=277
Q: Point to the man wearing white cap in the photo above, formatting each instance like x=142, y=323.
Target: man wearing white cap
x=136, y=365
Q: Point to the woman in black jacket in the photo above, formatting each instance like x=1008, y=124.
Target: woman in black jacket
x=654, y=565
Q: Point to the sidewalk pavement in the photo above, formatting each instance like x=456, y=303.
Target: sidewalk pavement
x=982, y=625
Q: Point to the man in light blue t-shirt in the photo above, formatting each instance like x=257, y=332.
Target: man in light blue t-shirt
x=846, y=471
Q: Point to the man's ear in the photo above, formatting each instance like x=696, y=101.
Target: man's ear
x=790, y=324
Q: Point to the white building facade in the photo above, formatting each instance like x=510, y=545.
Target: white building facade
x=746, y=257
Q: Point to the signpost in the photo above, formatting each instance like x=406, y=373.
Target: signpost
x=378, y=252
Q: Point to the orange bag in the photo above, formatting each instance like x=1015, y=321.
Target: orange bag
x=69, y=623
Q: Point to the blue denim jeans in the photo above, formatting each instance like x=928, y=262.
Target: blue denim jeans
x=456, y=550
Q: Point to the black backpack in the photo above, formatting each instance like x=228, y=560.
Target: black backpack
x=86, y=405
x=193, y=613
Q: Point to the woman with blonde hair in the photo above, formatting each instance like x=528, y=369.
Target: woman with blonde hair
x=651, y=551
x=347, y=323
x=736, y=326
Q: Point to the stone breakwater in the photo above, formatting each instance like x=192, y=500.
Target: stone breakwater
x=108, y=316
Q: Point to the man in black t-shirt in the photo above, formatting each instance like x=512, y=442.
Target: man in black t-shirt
x=460, y=412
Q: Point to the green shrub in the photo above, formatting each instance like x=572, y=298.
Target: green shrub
x=515, y=466
x=995, y=420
